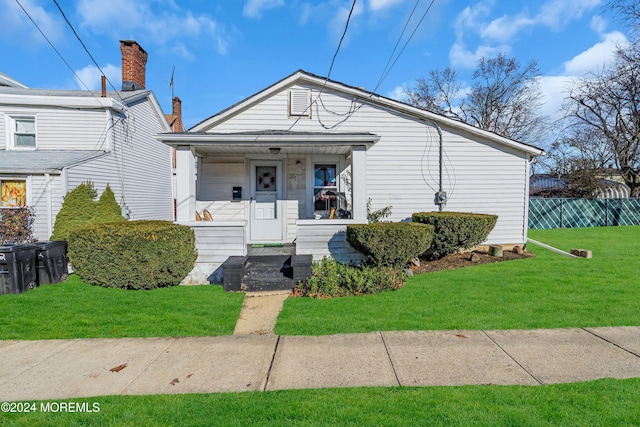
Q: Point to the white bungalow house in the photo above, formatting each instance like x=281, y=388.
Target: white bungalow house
x=53, y=140
x=299, y=161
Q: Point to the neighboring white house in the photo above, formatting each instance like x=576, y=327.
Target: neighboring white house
x=298, y=161
x=53, y=140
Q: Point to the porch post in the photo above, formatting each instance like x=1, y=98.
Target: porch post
x=359, y=182
x=186, y=184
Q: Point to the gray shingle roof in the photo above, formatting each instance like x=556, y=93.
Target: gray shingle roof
x=42, y=161
x=9, y=90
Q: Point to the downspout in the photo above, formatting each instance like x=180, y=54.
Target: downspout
x=47, y=177
x=441, y=195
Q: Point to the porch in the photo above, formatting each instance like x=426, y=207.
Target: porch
x=270, y=189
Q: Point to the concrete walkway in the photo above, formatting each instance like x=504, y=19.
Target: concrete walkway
x=56, y=369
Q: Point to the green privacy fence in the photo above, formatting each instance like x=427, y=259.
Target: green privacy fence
x=576, y=213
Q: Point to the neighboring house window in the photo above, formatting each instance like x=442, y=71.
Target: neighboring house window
x=299, y=103
x=23, y=132
x=13, y=193
x=325, y=188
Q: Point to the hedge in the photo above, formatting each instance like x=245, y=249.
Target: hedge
x=455, y=230
x=390, y=244
x=132, y=255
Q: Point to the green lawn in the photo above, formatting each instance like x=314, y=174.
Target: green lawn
x=604, y=402
x=548, y=291
x=77, y=310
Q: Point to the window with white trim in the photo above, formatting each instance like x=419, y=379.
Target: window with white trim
x=23, y=132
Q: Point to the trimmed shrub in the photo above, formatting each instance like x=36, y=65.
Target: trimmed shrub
x=330, y=278
x=107, y=208
x=133, y=255
x=390, y=244
x=455, y=230
x=78, y=208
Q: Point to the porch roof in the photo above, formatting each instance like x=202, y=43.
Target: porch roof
x=262, y=141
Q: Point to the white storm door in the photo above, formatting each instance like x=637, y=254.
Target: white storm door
x=266, y=193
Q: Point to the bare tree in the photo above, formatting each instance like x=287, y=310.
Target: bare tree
x=504, y=98
x=608, y=103
x=628, y=11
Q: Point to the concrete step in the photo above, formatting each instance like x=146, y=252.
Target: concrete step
x=259, y=273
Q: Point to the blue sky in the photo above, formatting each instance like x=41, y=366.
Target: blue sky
x=226, y=50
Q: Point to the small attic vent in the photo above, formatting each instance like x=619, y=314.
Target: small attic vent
x=300, y=103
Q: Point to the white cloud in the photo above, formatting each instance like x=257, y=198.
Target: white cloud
x=15, y=24
x=339, y=20
x=554, y=88
x=505, y=27
x=555, y=14
x=398, y=92
x=598, y=24
x=253, y=8
x=460, y=56
x=471, y=17
x=89, y=76
x=376, y=5
x=147, y=20
x=596, y=56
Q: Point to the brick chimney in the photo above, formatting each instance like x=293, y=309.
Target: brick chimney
x=177, y=113
x=134, y=61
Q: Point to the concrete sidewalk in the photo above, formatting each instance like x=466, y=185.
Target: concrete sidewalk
x=56, y=369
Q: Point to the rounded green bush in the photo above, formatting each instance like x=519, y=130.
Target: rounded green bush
x=390, y=244
x=455, y=230
x=133, y=255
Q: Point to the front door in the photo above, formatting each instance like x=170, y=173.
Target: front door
x=266, y=202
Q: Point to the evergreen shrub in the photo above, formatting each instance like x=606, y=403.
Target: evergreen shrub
x=133, y=254
x=79, y=209
x=455, y=230
x=390, y=244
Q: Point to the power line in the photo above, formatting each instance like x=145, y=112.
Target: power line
x=86, y=50
x=385, y=74
x=52, y=46
x=406, y=24
x=344, y=33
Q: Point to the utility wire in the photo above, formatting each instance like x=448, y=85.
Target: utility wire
x=335, y=55
x=52, y=46
x=344, y=33
x=385, y=74
x=86, y=49
x=406, y=24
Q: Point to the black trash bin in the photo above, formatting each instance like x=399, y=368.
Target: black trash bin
x=17, y=268
x=52, y=262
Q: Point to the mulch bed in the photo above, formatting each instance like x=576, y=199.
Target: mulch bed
x=461, y=260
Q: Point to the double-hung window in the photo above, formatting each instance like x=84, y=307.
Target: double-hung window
x=23, y=131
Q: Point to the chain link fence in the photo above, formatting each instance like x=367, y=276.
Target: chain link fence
x=577, y=213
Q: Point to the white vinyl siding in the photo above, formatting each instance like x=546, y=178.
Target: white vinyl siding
x=218, y=177
x=43, y=197
x=402, y=167
x=138, y=167
x=325, y=238
x=3, y=131
x=215, y=243
x=62, y=129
